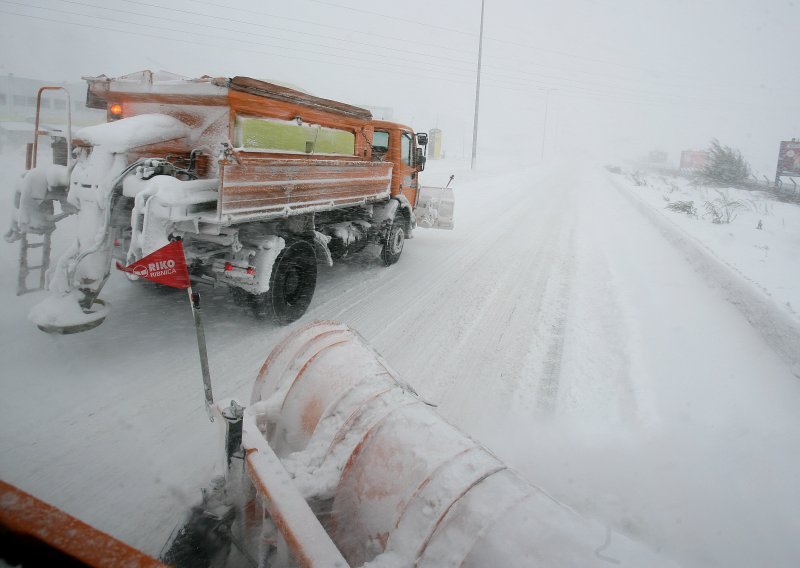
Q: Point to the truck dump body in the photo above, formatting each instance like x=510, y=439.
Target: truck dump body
x=264, y=187
x=292, y=152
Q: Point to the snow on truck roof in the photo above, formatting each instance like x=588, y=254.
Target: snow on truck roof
x=133, y=131
x=164, y=83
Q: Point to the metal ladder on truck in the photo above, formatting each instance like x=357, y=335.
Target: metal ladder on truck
x=25, y=268
x=25, y=245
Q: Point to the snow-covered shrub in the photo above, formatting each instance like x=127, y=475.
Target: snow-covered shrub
x=638, y=178
x=672, y=187
x=722, y=210
x=725, y=166
x=683, y=207
x=614, y=169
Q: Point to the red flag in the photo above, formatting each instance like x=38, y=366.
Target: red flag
x=165, y=266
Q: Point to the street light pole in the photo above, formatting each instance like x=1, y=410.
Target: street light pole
x=477, y=96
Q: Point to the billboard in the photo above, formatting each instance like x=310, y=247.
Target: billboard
x=693, y=159
x=435, y=144
x=789, y=158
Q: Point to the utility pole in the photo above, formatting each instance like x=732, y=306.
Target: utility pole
x=477, y=96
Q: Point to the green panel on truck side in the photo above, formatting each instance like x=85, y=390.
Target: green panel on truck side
x=288, y=136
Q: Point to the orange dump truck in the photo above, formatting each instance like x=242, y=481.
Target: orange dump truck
x=258, y=180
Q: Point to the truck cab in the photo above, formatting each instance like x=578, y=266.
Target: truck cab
x=397, y=143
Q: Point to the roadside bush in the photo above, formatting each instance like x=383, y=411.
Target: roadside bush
x=638, y=179
x=686, y=207
x=725, y=166
x=722, y=210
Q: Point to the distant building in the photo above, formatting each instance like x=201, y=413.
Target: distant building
x=18, y=106
x=693, y=160
x=435, y=144
x=657, y=157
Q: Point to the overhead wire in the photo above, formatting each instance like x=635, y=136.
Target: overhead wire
x=413, y=65
x=638, y=79
x=474, y=34
x=336, y=62
x=397, y=18
x=448, y=68
x=519, y=44
x=265, y=26
x=502, y=81
x=383, y=35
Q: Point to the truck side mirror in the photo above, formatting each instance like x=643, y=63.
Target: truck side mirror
x=420, y=160
x=422, y=139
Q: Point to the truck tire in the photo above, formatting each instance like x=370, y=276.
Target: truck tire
x=394, y=241
x=291, y=284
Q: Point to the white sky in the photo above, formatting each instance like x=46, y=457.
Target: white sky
x=627, y=76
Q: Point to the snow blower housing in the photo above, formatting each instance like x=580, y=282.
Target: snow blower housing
x=338, y=462
x=258, y=180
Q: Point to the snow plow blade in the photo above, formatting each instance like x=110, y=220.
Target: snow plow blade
x=435, y=207
x=347, y=465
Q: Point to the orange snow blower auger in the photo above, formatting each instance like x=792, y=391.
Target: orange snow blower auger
x=338, y=462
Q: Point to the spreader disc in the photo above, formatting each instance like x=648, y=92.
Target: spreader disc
x=89, y=320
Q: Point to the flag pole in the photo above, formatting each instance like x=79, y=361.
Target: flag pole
x=194, y=301
x=167, y=266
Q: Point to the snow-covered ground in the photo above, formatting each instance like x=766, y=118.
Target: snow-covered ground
x=558, y=324
x=761, y=242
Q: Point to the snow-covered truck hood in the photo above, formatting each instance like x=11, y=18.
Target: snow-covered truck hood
x=134, y=131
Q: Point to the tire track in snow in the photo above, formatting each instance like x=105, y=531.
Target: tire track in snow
x=549, y=383
x=580, y=337
x=592, y=339
x=502, y=339
x=385, y=282
x=417, y=296
x=498, y=339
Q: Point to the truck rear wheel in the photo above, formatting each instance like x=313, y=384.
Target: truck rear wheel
x=394, y=241
x=291, y=285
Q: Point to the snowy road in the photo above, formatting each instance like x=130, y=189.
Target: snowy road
x=556, y=324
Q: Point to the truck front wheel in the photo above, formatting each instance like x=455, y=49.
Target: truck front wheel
x=291, y=285
x=394, y=241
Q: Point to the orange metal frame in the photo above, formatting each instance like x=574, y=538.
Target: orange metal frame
x=37, y=133
x=34, y=527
